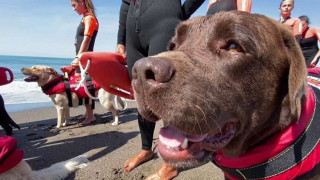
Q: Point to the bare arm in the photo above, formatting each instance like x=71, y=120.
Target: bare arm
x=83, y=48
x=314, y=61
x=297, y=30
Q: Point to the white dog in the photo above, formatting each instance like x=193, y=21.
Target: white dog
x=48, y=77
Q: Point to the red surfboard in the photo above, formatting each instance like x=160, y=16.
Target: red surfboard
x=109, y=71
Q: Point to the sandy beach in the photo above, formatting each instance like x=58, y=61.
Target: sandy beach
x=107, y=147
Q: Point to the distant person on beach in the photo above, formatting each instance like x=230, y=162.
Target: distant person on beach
x=145, y=29
x=309, y=42
x=85, y=38
x=215, y=6
x=286, y=7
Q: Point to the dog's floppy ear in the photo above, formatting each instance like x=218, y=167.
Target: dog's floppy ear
x=180, y=35
x=297, y=72
x=183, y=31
x=51, y=71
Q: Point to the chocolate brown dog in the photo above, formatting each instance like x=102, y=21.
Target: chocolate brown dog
x=238, y=94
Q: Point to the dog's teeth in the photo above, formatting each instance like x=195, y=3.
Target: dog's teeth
x=184, y=145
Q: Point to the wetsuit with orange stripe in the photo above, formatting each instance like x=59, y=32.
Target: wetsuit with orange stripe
x=309, y=44
x=88, y=27
x=228, y=5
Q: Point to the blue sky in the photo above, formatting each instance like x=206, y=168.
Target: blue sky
x=47, y=28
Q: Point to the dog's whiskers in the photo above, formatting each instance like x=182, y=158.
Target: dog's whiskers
x=204, y=118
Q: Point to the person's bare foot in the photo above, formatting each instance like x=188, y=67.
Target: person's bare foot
x=80, y=118
x=143, y=156
x=165, y=172
x=86, y=122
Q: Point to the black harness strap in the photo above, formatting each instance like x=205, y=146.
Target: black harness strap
x=91, y=90
x=68, y=91
x=80, y=101
x=290, y=156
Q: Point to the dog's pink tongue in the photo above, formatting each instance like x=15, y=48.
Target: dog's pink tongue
x=31, y=78
x=172, y=137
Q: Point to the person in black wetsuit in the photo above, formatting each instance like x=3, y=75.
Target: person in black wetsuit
x=145, y=29
x=309, y=42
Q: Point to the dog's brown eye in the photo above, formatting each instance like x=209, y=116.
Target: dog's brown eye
x=233, y=48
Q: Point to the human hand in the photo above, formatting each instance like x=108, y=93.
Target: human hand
x=75, y=62
x=313, y=63
x=121, y=49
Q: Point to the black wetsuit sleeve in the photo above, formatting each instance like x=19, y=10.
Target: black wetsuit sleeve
x=122, y=21
x=189, y=7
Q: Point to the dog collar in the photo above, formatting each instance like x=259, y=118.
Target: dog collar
x=48, y=88
x=291, y=153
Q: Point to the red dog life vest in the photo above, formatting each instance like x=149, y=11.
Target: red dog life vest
x=287, y=155
x=9, y=155
x=57, y=86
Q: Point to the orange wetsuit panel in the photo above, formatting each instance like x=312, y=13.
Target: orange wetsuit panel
x=90, y=25
x=244, y=5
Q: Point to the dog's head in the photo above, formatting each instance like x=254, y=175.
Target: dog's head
x=40, y=74
x=227, y=83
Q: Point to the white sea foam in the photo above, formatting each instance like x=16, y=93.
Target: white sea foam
x=20, y=92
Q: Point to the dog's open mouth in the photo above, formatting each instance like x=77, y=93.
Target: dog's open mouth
x=31, y=78
x=175, y=146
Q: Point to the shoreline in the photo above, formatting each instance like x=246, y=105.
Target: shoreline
x=12, y=108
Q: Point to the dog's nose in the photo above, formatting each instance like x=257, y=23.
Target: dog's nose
x=151, y=73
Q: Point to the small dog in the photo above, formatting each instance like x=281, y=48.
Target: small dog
x=239, y=86
x=13, y=167
x=49, y=79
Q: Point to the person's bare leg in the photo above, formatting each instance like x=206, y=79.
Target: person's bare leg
x=165, y=172
x=89, y=116
x=143, y=156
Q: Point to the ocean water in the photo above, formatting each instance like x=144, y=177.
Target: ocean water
x=20, y=95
